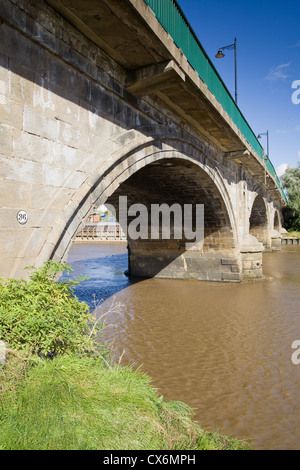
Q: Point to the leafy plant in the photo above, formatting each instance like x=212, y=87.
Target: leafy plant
x=291, y=184
x=44, y=316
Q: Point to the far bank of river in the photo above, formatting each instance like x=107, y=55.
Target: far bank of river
x=224, y=349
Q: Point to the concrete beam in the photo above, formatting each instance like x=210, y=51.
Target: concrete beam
x=237, y=154
x=153, y=78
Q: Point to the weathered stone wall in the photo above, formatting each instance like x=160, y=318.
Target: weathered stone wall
x=57, y=125
x=70, y=135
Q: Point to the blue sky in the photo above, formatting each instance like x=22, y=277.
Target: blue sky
x=268, y=62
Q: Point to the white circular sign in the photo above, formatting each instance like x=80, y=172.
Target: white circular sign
x=22, y=217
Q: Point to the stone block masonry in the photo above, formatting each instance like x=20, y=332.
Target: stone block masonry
x=84, y=120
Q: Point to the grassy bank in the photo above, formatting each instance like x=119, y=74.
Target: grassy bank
x=59, y=390
x=81, y=403
x=293, y=233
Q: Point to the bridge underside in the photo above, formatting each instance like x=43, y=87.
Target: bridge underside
x=193, y=247
x=97, y=102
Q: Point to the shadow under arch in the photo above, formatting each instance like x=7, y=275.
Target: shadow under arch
x=276, y=221
x=173, y=171
x=258, y=221
x=276, y=236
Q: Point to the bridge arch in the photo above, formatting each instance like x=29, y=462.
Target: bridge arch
x=276, y=230
x=259, y=220
x=276, y=221
x=177, y=162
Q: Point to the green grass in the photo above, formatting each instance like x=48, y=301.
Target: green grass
x=294, y=233
x=72, y=403
x=78, y=399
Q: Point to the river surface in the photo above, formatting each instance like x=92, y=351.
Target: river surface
x=224, y=349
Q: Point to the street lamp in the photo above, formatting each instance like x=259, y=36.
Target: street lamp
x=220, y=55
x=267, y=134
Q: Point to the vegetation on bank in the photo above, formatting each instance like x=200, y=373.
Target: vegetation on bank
x=293, y=233
x=291, y=184
x=59, y=389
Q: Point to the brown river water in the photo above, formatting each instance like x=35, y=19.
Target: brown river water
x=224, y=349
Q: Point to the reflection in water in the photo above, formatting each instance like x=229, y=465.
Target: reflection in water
x=224, y=349
x=104, y=264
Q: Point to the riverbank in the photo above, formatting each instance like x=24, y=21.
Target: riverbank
x=72, y=403
x=291, y=238
x=60, y=390
x=224, y=349
x=293, y=234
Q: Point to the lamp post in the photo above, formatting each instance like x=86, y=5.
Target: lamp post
x=267, y=134
x=220, y=55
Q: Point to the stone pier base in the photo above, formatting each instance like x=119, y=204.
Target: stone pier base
x=276, y=241
x=251, y=253
x=165, y=259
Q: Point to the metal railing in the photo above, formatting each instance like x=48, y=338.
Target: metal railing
x=102, y=231
x=174, y=21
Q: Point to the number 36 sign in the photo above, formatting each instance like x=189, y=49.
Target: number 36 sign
x=22, y=217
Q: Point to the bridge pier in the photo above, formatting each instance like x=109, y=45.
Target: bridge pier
x=276, y=240
x=251, y=253
x=276, y=236
x=168, y=261
x=258, y=223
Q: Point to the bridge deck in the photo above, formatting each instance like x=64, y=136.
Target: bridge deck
x=154, y=43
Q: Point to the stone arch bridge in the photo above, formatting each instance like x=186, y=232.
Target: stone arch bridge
x=101, y=99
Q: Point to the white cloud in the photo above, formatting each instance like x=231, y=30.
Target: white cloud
x=278, y=73
x=281, y=169
x=287, y=130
